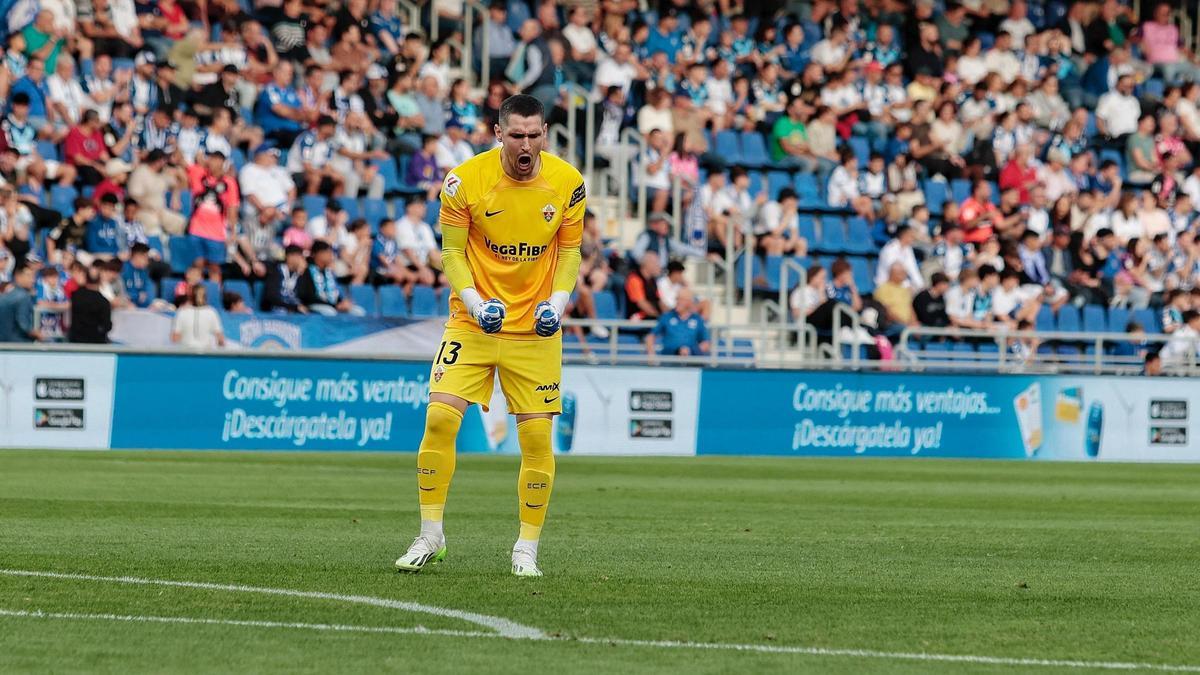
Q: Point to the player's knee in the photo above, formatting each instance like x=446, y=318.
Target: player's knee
x=442, y=421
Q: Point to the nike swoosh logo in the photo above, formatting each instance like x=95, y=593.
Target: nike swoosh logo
x=426, y=489
x=489, y=214
x=550, y=400
x=534, y=506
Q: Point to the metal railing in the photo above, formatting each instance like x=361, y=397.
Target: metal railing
x=782, y=308
x=724, y=351
x=626, y=164
x=1102, y=359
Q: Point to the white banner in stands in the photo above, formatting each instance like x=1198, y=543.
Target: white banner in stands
x=56, y=400
x=614, y=411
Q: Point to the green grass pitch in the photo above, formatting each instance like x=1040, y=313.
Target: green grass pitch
x=1082, y=562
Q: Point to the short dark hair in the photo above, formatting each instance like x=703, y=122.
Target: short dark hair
x=293, y=249
x=139, y=248
x=520, y=104
x=674, y=266
x=1190, y=316
x=987, y=271
x=938, y=278
x=109, y=198
x=1009, y=273
x=320, y=246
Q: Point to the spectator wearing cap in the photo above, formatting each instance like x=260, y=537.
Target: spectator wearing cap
x=116, y=175
x=359, y=145
x=278, y=110
x=279, y=290
x=223, y=93
x=143, y=88
x=149, y=184
x=318, y=288
x=84, y=149
x=158, y=131
x=374, y=98
x=453, y=148
x=267, y=191
x=309, y=160
x=657, y=238
x=215, y=200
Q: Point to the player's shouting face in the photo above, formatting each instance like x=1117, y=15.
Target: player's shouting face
x=522, y=133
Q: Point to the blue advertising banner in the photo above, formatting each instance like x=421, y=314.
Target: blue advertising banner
x=848, y=414
x=214, y=402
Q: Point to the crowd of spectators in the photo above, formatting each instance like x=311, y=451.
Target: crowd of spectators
x=1041, y=151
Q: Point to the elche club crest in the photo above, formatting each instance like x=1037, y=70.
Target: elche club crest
x=548, y=212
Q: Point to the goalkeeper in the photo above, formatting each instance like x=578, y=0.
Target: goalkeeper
x=512, y=222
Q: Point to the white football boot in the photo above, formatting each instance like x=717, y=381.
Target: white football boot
x=524, y=563
x=424, y=551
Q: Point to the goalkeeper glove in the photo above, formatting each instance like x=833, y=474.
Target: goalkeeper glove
x=488, y=313
x=547, y=316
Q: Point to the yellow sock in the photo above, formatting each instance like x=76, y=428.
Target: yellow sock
x=537, y=475
x=435, y=459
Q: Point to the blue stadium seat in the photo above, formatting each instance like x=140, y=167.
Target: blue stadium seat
x=776, y=181
x=48, y=150
x=350, y=205
x=183, y=253
x=314, y=205
x=808, y=228
x=156, y=245
x=833, y=235
x=241, y=287
x=391, y=301
x=364, y=296
x=1118, y=318
x=1153, y=88
x=238, y=159
x=606, y=305
x=864, y=274
x=806, y=189
x=960, y=189
x=935, y=196
x=754, y=150
x=1045, y=319
x=433, y=208
x=214, y=294
x=424, y=302
x=391, y=177
x=1150, y=320
x=858, y=236
x=756, y=182
x=729, y=148
x=1094, y=319
x=185, y=202
x=443, y=300
x=374, y=211
x=1068, y=319
x=756, y=270
x=862, y=150
x=62, y=199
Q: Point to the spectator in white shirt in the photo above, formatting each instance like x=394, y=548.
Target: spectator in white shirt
x=1118, y=111
x=1017, y=24
x=656, y=114
x=453, y=148
x=1184, y=345
x=843, y=191
x=66, y=93
x=267, y=188
x=619, y=71
x=655, y=170
x=196, y=324
x=900, y=250
x=1001, y=59
x=832, y=53
x=415, y=239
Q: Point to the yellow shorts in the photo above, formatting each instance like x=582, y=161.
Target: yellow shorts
x=530, y=370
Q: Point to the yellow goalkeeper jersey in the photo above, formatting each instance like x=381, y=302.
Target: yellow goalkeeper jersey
x=514, y=231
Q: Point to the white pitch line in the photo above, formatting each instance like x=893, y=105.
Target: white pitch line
x=510, y=630
x=503, y=627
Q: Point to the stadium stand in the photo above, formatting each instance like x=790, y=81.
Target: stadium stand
x=1044, y=141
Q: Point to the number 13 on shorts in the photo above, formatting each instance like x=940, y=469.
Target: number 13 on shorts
x=467, y=362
